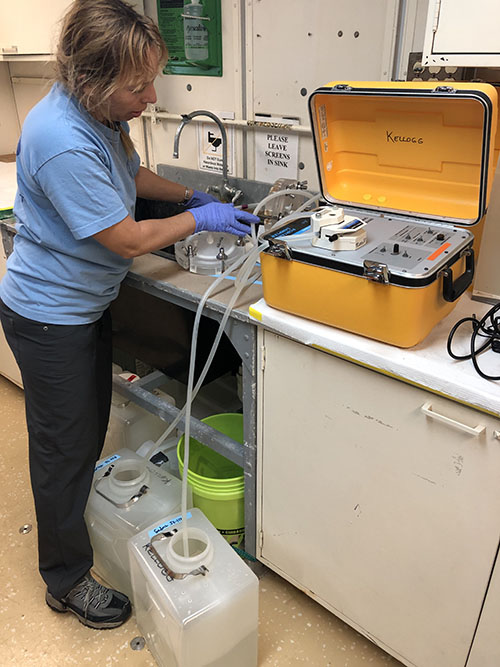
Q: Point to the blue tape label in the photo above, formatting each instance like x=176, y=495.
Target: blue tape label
x=106, y=462
x=168, y=524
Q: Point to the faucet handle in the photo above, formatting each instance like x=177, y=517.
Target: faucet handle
x=225, y=192
x=230, y=193
x=237, y=195
x=212, y=188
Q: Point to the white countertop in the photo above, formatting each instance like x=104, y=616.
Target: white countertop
x=426, y=365
x=165, y=275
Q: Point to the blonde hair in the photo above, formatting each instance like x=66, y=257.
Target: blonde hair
x=105, y=44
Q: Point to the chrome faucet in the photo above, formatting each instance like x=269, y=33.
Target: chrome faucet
x=226, y=192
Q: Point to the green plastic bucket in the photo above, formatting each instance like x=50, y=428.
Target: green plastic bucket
x=218, y=484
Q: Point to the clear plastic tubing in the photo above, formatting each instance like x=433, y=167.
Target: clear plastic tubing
x=201, y=305
x=243, y=275
x=307, y=203
x=280, y=193
x=272, y=196
x=230, y=269
x=242, y=280
x=246, y=264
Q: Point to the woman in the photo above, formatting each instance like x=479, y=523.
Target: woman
x=78, y=178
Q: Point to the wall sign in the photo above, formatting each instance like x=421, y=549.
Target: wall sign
x=276, y=150
x=210, y=145
x=192, y=32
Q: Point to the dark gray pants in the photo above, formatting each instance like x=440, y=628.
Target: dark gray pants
x=66, y=373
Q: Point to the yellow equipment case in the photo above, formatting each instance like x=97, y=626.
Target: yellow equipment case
x=413, y=165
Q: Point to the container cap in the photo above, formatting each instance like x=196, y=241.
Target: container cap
x=199, y=546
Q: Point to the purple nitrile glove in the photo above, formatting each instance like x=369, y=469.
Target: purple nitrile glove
x=199, y=198
x=223, y=218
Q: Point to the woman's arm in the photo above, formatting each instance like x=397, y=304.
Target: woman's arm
x=151, y=186
x=129, y=238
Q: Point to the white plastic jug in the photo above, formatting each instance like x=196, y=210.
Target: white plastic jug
x=199, y=610
x=128, y=493
x=130, y=425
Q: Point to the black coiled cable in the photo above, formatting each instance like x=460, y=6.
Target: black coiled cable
x=487, y=328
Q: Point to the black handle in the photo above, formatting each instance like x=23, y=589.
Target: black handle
x=452, y=290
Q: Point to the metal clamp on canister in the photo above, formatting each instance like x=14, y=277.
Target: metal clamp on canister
x=124, y=505
x=180, y=564
x=175, y=575
x=279, y=248
x=375, y=271
x=452, y=290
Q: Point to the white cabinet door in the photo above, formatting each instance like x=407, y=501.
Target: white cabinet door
x=30, y=26
x=387, y=515
x=486, y=648
x=461, y=32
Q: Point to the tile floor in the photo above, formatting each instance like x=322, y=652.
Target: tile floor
x=293, y=628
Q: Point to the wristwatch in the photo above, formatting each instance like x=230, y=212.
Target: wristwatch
x=187, y=196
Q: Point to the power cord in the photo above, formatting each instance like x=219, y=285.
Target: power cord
x=487, y=328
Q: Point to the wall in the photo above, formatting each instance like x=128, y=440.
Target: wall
x=411, y=33
x=30, y=82
x=275, y=53
x=9, y=123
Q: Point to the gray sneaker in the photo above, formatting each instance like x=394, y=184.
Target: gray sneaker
x=93, y=604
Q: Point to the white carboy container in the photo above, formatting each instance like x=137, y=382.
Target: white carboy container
x=196, y=611
x=128, y=493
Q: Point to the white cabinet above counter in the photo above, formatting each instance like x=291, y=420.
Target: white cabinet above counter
x=29, y=29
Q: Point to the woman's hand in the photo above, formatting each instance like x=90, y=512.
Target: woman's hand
x=199, y=198
x=223, y=218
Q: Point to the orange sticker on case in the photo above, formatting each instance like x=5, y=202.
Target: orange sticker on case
x=440, y=250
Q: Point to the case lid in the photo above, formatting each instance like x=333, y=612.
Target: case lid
x=407, y=148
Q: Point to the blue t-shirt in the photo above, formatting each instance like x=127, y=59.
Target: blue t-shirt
x=74, y=180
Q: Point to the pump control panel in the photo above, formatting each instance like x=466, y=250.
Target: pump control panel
x=411, y=249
